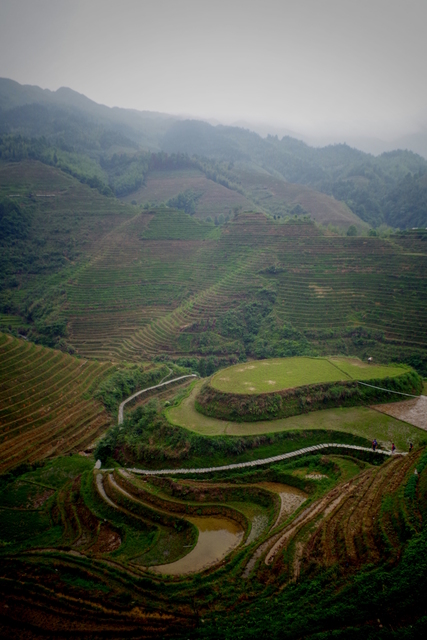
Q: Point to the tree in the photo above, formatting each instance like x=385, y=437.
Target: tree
x=352, y=230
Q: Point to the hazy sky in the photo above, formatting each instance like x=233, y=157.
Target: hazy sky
x=312, y=65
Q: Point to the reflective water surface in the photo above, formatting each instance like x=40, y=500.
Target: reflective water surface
x=217, y=537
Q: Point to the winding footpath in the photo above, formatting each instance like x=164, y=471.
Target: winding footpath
x=262, y=461
x=156, y=386
x=241, y=465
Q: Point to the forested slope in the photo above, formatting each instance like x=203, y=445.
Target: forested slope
x=110, y=149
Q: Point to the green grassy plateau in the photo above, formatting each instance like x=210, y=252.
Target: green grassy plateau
x=266, y=376
x=272, y=389
x=361, y=421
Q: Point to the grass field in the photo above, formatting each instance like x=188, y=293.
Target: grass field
x=266, y=376
x=361, y=421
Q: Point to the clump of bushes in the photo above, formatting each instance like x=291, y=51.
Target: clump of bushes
x=124, y=382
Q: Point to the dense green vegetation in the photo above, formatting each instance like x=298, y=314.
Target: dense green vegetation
x=305, y=398
x=163, y=247
x=148, y=439
x=122, y=383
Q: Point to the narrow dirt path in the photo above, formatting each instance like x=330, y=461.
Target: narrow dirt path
x=156, y=386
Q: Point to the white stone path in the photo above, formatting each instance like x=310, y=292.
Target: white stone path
x=256, y=463
x=156, y=386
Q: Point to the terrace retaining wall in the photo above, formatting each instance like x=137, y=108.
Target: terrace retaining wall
x=290, y=402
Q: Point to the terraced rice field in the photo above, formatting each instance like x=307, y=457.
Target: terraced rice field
x=276, y=195
x=70, y=216
x=347, y=525
x=161, y=285
x=362, y=282
x=141, y=295
x=266, y=376
x=213, y=199
x=140, y=554
x=135, y=284
x=46, y=406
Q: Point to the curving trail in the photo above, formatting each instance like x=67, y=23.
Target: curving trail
x=156, y=386
x=255, y=463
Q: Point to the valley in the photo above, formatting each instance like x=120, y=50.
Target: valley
x=202, y=334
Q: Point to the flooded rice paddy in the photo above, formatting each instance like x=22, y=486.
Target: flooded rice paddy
x=217, y=537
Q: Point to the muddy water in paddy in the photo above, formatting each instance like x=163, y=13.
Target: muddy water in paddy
x=217, y=537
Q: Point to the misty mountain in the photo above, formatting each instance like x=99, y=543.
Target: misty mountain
x=367, y=184
x=142, y=127
x=111, y=147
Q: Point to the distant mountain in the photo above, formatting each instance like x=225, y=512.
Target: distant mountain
x=143, y=127
x=416, y=142
x=367, y=184
x=375, y=189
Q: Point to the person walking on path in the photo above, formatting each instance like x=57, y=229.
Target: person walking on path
x=374, y=444
x=393, y=448
x=410, y=447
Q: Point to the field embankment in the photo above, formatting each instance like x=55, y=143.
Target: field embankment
x=116, y=554
x=361, y=420
x=331, y=383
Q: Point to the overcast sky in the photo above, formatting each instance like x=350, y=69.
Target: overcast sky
x=317, y=66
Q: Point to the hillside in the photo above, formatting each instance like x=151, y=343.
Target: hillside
x=229, y=555
x=282, y=198
x=46, y=403
x=51, y=224
x=112, y=147
x=111, y=280
x=213, y=379
x=362, y=181
x=210, y=198
x=258, y=288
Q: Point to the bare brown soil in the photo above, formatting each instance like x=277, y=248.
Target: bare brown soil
x=412, y=411
x=214, y=198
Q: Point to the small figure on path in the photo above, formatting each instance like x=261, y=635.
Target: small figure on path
x=393, y=448
x=374, y=444
x=410, y=447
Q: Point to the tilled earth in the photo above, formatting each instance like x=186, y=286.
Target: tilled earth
x=412, y=411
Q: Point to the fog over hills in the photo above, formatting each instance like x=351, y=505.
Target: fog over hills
x=213, y=312
x=389, y=188
x=416, y=142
